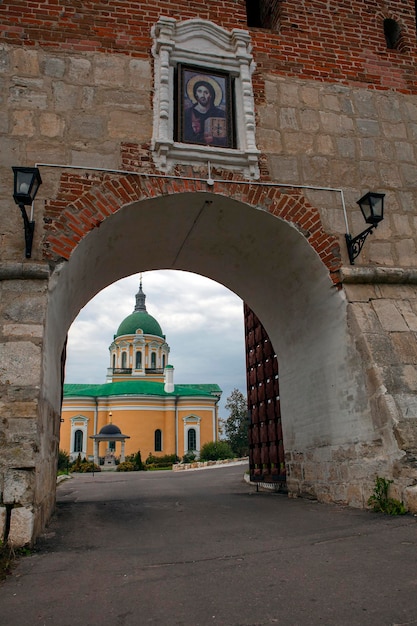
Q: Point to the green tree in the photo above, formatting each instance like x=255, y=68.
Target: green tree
x=236, y=426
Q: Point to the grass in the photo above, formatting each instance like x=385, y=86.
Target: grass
x=9, y=557
x=7, y=560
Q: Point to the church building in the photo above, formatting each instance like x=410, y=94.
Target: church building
x=139, y=407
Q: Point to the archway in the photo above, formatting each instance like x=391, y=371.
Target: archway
x=271, y=266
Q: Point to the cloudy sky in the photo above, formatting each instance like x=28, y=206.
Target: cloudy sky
x=202, y=321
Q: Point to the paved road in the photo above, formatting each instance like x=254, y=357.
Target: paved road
x=203, y=548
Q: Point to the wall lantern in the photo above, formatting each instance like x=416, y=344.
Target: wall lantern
x=372, y=207
x=26, y=184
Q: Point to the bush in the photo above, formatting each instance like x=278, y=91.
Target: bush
x=87, y=466
x=126, y=466
x=84, y=466
x=161, y=461
x=189, y=457
x=136, y=460
x=215, y=451
x=63, y=461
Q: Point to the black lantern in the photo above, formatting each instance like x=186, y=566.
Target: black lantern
x=26, y=184
x=372, y=207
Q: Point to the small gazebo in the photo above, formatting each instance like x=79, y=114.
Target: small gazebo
x=109, y=433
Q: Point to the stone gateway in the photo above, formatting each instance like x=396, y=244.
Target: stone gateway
x=320, y=104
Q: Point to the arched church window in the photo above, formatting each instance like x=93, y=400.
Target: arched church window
x=191, y=439
x=114, y=361
x=163, y=360
x=153, y=360
x=158, y=440
x=78, y=441
x=138, y=360
x=124, y=360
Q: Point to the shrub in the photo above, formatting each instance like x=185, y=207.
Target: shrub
x=136, y=459
x=84, y=466
x=76, y=464
x=189, y=457
x=381, y=502
x=216, y=450
x=126, y=466
x=87, y=466
x=161, y=461
x=63, y=461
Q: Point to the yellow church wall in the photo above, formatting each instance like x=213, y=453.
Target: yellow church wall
x=139, y=421
x=139, y=418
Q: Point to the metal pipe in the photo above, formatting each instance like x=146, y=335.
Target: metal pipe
x=210, y=181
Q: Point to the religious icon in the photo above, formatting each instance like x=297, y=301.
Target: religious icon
x=204, y=107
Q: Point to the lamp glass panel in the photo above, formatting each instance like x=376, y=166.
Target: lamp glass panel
x=366, y=208
x=377, y=206
x=24, y=182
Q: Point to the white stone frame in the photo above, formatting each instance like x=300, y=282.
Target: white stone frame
x=203, y=44
x=192, y=421
x=84, y=430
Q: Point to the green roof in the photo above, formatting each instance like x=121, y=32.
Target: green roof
x=139, y=319
x=138, y=387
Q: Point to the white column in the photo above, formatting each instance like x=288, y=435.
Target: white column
x=96, y=457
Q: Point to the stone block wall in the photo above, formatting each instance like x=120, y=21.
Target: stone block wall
x=27, y=484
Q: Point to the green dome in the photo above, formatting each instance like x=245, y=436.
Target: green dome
x=139, y=319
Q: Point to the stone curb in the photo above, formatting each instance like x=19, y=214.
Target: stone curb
x=60, y=479
x=178, y=467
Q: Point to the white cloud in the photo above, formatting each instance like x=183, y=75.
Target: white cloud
x=202, y=321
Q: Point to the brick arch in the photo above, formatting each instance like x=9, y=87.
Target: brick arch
x=85, y=201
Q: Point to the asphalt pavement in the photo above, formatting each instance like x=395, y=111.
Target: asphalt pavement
x=204, y=548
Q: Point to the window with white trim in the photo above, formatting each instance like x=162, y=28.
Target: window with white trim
x=78, y=440
x=138, y=360
x=124, y=360
x=192, y=423
x=79, y=436
x=191, y=439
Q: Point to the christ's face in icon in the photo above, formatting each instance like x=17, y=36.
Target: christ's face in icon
x=203, y=96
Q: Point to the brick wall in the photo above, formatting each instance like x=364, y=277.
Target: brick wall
x=85, y=200
x=327, y=41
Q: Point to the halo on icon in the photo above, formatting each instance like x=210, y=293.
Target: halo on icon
x=218, y=93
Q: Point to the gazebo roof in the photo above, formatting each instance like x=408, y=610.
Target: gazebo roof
x=110, y=432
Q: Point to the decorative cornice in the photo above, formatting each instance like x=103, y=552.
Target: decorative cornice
x=16, y=271
x=378, y=275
